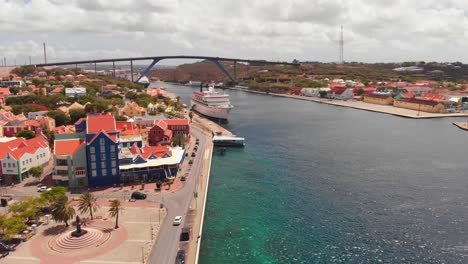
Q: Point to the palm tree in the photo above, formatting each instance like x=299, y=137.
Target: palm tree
x=62, y=210
x=169, y=183
x=114, y=210
x=87, y=203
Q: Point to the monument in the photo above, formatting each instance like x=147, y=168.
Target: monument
x=78, y=232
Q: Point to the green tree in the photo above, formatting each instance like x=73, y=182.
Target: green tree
x=36, y=171
x=27, y=134
x=323, y=94
x=12, y=226
x=24, y=70
x=62, y=210
x=28, y=209
x=60, y=117
x=360, y=91
x=68, y=84
x=114, y=210
x=169, y=183
x=87, y=203
x=76, y=114
x=54, y=194
x=178, y=140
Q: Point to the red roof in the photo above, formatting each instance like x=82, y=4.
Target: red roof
x=32, y=123
x=112, y=137
x=420, y=101
x=57, y=90
x=431, y=96
x=177, y=122
x=96, y=123
x=18, y=147
x=5, y=91
x=67, y=146
x=126, y=128
x=407, y=95
x=336, y=90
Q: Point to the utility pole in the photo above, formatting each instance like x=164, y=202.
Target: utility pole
x=30, y=60
x=45, y=53
x=341, y=46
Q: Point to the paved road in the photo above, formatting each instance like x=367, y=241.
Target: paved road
x=177, y=203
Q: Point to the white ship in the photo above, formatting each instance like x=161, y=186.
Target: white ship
x=144, y=80
x=211, y=103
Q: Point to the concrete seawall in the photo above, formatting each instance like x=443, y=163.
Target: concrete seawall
x=384, y=109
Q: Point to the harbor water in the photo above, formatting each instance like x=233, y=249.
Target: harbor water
x=318, y=183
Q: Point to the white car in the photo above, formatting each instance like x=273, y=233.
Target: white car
x=42, y=188
x=177, y=220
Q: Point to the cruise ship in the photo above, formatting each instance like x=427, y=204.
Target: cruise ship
x=211, y=103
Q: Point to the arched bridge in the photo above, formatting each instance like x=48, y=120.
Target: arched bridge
x=156, y=59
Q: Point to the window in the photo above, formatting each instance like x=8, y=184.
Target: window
x=93, y=165
x=30, y=159
x=37, y=156
x=103, y=164
x=114, y=171
x=112, y=148
x=62, y=172
x=103, y=156
x=9, y=164
x=62, y=162
x=94, y=173
x=92, y=150
x=102, y=143
x=114, y=163
x=13, y=165
x=104, y=172
x=93, y=158
x=79, y=172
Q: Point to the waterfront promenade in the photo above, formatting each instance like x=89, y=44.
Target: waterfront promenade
x=385, y=109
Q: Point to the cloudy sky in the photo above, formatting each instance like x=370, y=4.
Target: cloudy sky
x=374, y=30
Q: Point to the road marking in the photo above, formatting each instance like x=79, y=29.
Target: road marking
x=108, y=261
x=138, y=240
x=24, y=258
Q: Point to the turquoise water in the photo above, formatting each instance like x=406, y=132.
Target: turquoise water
x=324, y=184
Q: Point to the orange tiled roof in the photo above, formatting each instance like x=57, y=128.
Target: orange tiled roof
x=67, y=146
x=96, y=123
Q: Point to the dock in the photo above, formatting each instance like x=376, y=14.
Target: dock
x=228, y=141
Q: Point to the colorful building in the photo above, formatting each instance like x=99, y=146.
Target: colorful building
x=70, y=165
x=102, y=150
x=420, y=105
x=133, y=109
x=20, y=155
x=378, y=99
x=149, y=163
x=163, y=131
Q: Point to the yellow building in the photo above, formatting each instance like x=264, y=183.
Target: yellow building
x=420, y=105
x=378, y=99
x=133, y=109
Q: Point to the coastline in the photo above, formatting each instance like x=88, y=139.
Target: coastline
x=461, y=125
x=207, y=127
x=384, y=109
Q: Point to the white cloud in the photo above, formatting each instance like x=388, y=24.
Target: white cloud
x=375, y=30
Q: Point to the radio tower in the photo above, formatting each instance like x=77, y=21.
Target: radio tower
x=341, y=46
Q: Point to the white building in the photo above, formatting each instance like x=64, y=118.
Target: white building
x=75, y=91
x=20, y=155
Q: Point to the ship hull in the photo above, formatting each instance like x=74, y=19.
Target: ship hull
x=213, y=112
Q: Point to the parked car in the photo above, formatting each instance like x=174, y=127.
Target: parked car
x=182, y=178
x=193, y=154
x=190, y=162
x=43, y=189
x=177, y=220
x=138, y=196
x=180, y=258
x=5, y=253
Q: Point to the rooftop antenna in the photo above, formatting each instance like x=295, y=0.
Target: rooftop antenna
x=45, y=53
x=341, y=46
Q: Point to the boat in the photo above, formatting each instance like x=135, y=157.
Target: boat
x=210, y=103
x=220, y=85
x=145, y=81
x=194, y=83
x=228, y=141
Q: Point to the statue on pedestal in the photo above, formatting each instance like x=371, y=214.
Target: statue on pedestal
x=78, y=232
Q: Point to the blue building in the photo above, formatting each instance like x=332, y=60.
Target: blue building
x=102, y=150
